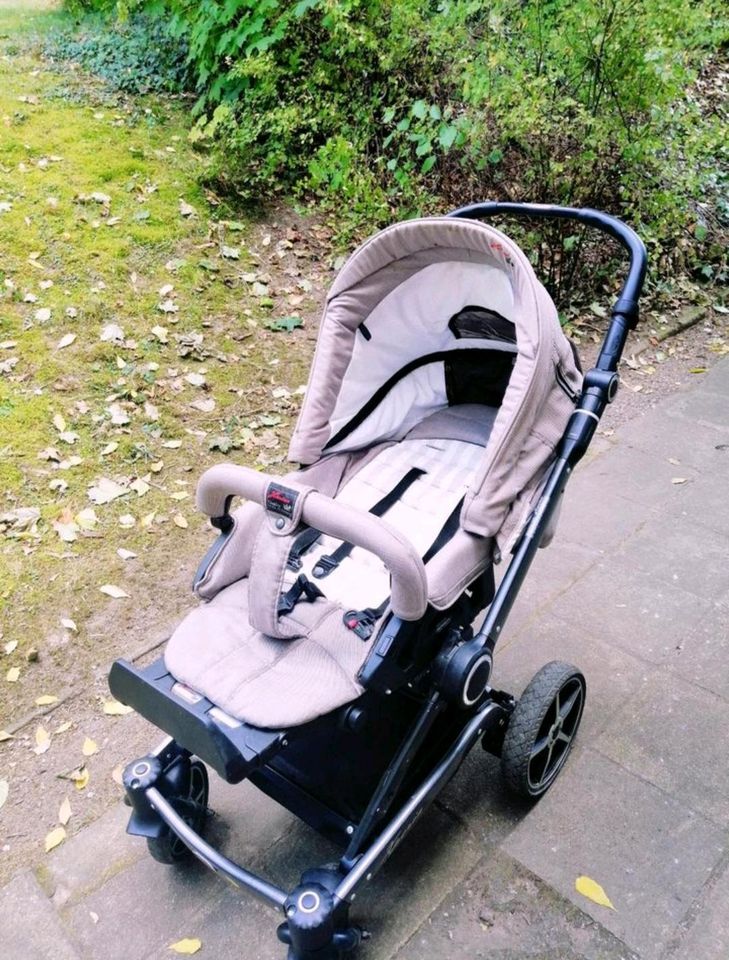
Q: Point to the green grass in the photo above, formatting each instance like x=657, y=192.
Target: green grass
x=65, y=138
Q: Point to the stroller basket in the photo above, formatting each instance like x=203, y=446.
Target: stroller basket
x=332, y=661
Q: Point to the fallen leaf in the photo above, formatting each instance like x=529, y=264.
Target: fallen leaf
x=119, y=416
x=117, y=775
x=4, y=735
x=112, y=333
x=54, y=838
x=127, y=520
x=69, y=624
x=112, y=708
x=674, y=461
x=140, y=487
x=113, y=591
x=180, y=521
x=160, y=333
x=106, y=490
x=80, y=777
x=86, y=518
x=230, y=253
x=593, y=891
x=46, y=700
x=4, y=791
x=204, y=405
x=13, y=675
x=59, y=423
x=63, y=727
x=125, y=554
x=109, y=448
x=43, y=314
x=172, y=444
x=679, y=480
x=42, y=740
x=168, y=306
x=94, y=916
x=65, y=341
x=64, y=812
x=90, y=747
x=10, y=646
x=186, y=209
x=187, y=946
x=180, y=495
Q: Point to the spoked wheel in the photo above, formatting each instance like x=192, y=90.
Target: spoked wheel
x=542, y=729
x=192, y=807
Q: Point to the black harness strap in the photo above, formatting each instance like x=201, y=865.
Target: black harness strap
x=328, y=562
x=362, y=622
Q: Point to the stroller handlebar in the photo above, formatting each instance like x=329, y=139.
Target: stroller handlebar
x=219, y=484
x=627, y=303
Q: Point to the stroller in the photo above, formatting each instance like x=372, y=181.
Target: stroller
x=333, y=661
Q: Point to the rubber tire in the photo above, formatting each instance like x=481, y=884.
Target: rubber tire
x=526, y=721
x=168, y=848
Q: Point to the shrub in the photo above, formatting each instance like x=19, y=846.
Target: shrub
x=396, y=107
x=136, y=55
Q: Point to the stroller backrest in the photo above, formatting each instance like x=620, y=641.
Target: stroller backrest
x=431, y=313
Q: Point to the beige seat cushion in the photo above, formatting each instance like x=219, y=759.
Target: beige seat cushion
x=272, y=682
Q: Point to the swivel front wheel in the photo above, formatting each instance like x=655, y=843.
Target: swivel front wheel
x=542, y=729
x=192, y=806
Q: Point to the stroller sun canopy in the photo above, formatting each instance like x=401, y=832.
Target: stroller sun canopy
x=430, y=313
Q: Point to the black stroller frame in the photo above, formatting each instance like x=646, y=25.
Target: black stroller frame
x=438, y=714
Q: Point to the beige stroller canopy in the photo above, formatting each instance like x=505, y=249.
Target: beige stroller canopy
x=386, y=338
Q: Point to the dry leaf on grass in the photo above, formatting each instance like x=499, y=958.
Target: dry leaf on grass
x=13, y=675
x=113, y=591
x=180, y=521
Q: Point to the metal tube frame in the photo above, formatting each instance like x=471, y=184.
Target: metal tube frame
x=371, y=859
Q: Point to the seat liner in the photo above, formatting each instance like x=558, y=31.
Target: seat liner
x=279, y=682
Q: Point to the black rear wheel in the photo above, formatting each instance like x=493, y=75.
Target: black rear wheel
x=542, y=729
x=192, y=807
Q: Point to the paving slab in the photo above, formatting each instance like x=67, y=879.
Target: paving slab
x=630, y=474
x=613, y=676
x=29, y=925
x=657, y=433
x=707, y=936
x=644, y=616
x=703, y=407
x=704, y=657
x=650, y=853
x=673, y=734
x=501, y=910
x=678, y=552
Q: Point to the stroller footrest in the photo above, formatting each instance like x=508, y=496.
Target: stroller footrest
x=231, y=748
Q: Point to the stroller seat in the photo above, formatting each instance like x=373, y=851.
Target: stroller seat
x=275, y=682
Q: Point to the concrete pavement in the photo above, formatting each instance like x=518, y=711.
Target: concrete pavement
x=634, y=590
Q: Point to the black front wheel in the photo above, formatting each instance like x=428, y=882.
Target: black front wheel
x=542, y=729
x=192, y=806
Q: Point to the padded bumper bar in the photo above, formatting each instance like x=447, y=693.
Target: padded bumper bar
x=409, y=591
